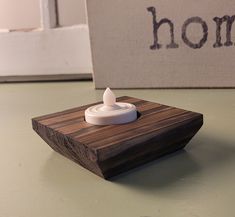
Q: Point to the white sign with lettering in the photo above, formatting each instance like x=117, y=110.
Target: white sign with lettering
x=160, y=44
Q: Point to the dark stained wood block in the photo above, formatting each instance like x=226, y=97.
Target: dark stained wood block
x=110, y=150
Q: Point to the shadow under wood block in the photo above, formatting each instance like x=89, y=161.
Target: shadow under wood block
x=110, y=150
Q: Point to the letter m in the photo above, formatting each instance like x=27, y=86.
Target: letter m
x=229, y=23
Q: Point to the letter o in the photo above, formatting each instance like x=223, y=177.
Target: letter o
x=198, y=20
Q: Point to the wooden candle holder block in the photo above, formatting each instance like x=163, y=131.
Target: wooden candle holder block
x=110, y=150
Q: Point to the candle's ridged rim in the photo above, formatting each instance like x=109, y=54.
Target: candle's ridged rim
x=127, y=113
x=97, y=110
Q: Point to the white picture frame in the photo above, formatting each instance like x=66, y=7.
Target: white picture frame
x=50, y=52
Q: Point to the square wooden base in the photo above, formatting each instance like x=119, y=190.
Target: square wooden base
x=110, y=150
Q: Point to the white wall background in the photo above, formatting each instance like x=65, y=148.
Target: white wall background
x=20, y=14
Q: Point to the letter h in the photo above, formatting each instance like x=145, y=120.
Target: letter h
x=156, y=26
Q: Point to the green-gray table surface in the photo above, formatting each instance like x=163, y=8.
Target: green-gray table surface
x=37, y=182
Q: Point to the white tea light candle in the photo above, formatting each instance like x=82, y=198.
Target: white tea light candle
x=111, y=112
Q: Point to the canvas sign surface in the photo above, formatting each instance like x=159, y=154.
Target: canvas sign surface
x=160, y=44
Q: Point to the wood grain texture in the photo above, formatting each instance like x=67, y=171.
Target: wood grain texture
x=110, y=150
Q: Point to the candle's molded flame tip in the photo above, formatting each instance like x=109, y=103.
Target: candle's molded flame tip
x=109, y=97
